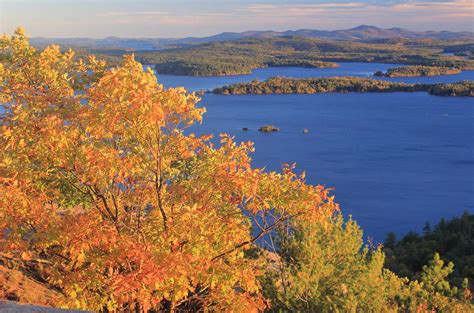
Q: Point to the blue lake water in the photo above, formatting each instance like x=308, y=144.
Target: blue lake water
x=345, y=69
x=396, y=160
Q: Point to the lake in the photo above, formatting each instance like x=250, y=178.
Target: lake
x=396, y=160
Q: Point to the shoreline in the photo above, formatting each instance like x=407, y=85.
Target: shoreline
x=284, y=85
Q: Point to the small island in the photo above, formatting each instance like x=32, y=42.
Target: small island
x=268, y=129
x=418, y=70
x=283, y=85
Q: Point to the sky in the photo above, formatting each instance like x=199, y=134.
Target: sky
x=183, y=18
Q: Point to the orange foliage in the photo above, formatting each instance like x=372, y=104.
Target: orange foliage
x=104, y=196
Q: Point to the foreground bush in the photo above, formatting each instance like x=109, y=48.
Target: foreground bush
x=325, y=267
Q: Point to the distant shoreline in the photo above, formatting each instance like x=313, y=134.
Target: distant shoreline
x=283, y=85
x=240, y=57
x=418, y=71
x=336, y=64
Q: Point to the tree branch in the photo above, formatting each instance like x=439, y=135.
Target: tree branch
x=243, y=244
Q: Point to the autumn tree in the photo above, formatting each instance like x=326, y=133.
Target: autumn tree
x=106, y=197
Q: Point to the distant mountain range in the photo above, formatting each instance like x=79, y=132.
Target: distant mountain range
x=359, y=33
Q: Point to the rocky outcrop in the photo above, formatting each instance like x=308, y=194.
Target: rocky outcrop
x=268, y=129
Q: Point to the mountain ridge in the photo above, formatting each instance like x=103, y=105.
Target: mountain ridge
x=358, y=33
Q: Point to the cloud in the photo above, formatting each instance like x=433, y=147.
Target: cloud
x=168, y=18
x=423, y=14
x=429, y=7
x=181, y=18
x=399, y=13
x=136, y=13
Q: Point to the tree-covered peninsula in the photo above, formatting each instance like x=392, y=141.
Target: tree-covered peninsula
x=218, y=67
x=418, y=70
x=283, y=85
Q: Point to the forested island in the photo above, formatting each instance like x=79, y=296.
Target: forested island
x=237, y=57
x=283, y=85
x=418, y=70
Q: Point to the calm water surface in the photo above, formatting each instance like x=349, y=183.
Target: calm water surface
x=396, y=160
x=345, y=69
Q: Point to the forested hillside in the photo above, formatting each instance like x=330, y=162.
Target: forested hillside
x=452, y=239
x=242, y=56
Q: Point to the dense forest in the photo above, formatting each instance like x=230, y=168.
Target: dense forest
x=462, y=49
x=283, y=85
x=242, y=56
x=108, y=203
x=452, y=239
x=463, y=89
x=418, y=70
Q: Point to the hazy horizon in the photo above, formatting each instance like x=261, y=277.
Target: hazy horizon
x=187, y=18
x=248, y=30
